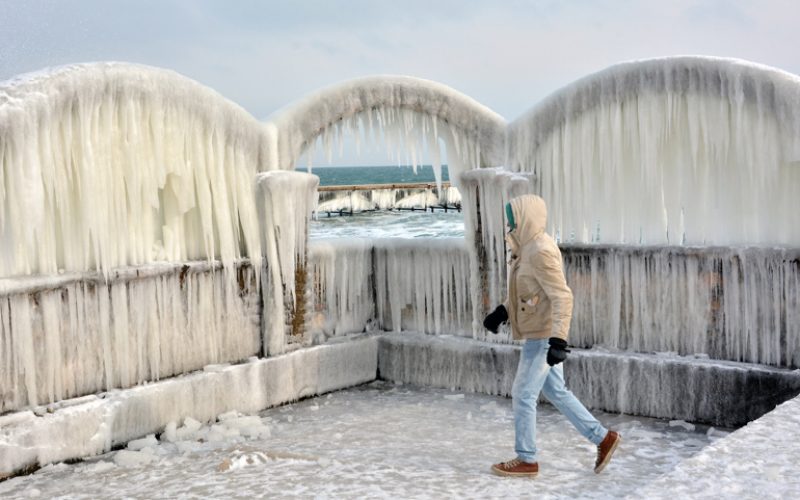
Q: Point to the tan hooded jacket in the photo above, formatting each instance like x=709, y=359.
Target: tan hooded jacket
x=539, y=301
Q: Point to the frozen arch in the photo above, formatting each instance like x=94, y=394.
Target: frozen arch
x=680, y=150
x=399, y=104
x=114, y=164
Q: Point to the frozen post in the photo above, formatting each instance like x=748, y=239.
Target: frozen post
x=285, y=201
x=484, y=193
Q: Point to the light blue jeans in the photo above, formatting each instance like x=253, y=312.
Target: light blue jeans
x=534, y=375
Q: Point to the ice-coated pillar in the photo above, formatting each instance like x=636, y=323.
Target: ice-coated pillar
x=285, y=202
x=484, y=193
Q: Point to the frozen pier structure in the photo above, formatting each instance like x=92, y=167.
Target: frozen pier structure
x=154, y=252
x=347, y=200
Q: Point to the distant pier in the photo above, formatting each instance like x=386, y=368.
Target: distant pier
x=412, y=197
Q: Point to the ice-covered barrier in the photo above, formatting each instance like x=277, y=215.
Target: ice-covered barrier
x=390, y=284
x=110, y=164
x=738, y=304
x=680, y=150
x=77, y=334
x=664, y=386
x=409, y=115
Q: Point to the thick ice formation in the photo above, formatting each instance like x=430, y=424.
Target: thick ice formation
x=486, y=192
x=683, y=150
x=401, y=284
x=109, y=164
x=409, y=115
x=80, y=335
x=285, y=202
x=728, y=303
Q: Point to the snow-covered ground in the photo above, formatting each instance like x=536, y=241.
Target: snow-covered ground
x=759, y=461
x=376, y=440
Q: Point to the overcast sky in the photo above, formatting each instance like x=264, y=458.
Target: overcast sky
x=507, y=55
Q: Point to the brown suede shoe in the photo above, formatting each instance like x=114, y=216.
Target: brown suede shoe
x=516, y=467
x=605, y=450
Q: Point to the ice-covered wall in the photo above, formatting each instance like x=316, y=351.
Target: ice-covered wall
x=727, y=303
x=76, y=334
x=112, y=164
x=410, y=116
x=390, y=284
x=681, y=150
x=655, y=385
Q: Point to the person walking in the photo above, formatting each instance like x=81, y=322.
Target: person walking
x=539, y=308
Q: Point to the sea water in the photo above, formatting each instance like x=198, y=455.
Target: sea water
x=346, y=176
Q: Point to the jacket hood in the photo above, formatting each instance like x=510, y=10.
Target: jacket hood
x=530, y=216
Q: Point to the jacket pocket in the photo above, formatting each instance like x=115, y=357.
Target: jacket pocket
x=528, y=304
x=529, y=313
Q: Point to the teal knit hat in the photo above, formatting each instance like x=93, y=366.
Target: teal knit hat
x=510, y=216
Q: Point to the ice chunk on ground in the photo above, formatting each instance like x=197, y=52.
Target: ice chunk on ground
x=681, y=423
x=228, y=415
x=250, y=426
x=139, y=444
x=170, y=433
x=100, y=466
x=127, y=458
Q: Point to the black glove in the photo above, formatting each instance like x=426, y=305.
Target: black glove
x=495, y=318
x=557, y=352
